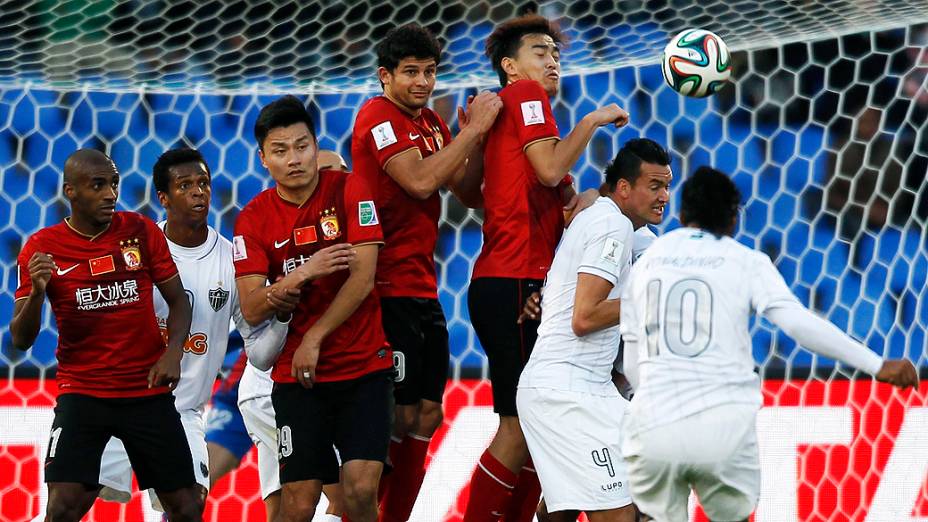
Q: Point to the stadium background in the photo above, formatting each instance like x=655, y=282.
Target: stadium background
x=823, y=131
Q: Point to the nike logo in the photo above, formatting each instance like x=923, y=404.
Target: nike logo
x=413, y=136
x=65, y=271
x=278, y=244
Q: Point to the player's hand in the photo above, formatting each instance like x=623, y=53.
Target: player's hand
x=899, y=373
x=327, y=261
x=531, y=311
x=40, y=271
x=283, y=300
x=579, y=202
x=305, y=360
x=481, y=111
x=463, y=120
x=167, y=370
x=611, y=113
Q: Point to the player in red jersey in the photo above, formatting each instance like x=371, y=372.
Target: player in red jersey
x=333, y=377
x=404, y=151
x=98, y=269
x=526, y=185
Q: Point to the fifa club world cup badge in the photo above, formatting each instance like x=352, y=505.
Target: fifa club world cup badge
x=131, y=254
x=329, y=224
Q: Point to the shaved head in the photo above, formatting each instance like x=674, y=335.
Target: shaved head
x=85, y=161
x=332, y=160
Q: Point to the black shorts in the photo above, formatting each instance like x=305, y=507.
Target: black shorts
x=418, y=334
x=353, y=416
x=495, y=304
x=149, y=428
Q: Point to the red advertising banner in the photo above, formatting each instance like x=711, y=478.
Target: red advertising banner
x=838, y=451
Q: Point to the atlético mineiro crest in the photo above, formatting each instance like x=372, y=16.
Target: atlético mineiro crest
x=131, y=253
x=329, y=224
x=218, y=297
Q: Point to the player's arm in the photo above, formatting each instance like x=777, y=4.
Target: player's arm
x=772, y=298
x=467, y=185
x=820, y=336
x=421, y=177
x=552, y=158
x=593, y=310
x=264, y=344
x=167, y=369
x=352, y=293
x=259, y=301
x=27, y=311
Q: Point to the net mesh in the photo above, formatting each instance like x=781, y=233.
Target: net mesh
x=822, y=129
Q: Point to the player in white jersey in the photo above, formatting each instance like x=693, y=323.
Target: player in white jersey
x=688, y=354
x=204, y=261
x=569, y=408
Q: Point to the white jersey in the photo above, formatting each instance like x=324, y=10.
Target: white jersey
x=644, y=236
x=208, y=276
x=598, y=242
x=686, y=312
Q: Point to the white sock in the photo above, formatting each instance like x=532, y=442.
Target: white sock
x=330, y=518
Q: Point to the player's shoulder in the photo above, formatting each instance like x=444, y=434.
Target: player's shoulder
x=44, y=237
x=259, y=203
x=377, y=110
x=522, y=90
x=605, y=213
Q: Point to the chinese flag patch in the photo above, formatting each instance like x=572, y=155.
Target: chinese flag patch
x=305, y=235
x=102, y=265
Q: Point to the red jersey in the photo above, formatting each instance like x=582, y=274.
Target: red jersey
x=274, y=236
x=101, y=294
x=523, y=219
x=406, y=265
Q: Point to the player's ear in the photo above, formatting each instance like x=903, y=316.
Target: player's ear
x=509, y=66
x=261, y=157
x=384, y=75
x=68, y=190
x=163, y=199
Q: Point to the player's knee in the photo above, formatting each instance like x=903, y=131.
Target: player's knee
x=359, y=492
x=430, y=418
x=185, y=505
x=62, y=512
x=298, y=507
x=404, y=420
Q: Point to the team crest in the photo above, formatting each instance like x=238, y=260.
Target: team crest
x=218, y=297
x=329, y=224
x=131, y=254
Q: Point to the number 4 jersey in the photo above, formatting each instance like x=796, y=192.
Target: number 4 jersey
x=686, y=312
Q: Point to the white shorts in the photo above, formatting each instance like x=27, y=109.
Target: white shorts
x=713, y=452
x=574, y=440
x=116, y=472
x=258, y=414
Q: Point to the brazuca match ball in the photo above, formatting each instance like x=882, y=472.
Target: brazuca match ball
x=696, y=63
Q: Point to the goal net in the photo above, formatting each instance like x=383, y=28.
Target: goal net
x=823, y=130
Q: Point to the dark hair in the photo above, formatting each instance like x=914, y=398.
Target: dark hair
x=627, y=163
x=282, y=112
x=507, y=37
x=410, y=40
x=711, y=200
x=161, y=174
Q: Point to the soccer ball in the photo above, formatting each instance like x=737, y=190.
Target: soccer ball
x=696, y=63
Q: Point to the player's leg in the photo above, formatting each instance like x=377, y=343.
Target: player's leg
x=502, y=484
x=80, y=431
x=227, y=439
x=573, y=438
x=304, y=447
x=156, y=442
x=728, y=487
x=362, y=419
x=258, y=419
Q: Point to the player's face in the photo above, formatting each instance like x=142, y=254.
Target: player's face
x=189, y=193
x=648, y=196
x=93, y=194
x=538, y=59
x=289, y=154
x=411, y=83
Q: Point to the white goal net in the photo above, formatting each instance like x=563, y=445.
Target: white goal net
x=823, y=130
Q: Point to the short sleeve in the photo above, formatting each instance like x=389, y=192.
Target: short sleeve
x=606, y=251
x=767, y=287
x=248, y=253
x=362, y=215
x=24, y=283
x=161, y=265
x=531, y=109
x=386, y=131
